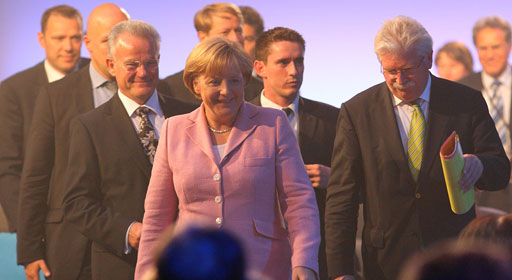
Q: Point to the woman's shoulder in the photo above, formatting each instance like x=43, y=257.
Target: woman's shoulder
x=184, y=119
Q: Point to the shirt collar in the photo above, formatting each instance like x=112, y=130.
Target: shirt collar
x=130, y=105
x=425, y=95
x=51, y=73
x=504, y=78
x=96, y=78
x=265, y=102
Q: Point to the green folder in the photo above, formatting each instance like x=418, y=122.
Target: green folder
x=452, y=161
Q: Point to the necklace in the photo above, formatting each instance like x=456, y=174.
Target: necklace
x=219, y=131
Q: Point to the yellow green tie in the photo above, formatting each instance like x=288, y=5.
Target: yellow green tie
x=415, y=140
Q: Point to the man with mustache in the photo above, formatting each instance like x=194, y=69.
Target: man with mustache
x=386, y=153
x=280, y=63
x=492, y=38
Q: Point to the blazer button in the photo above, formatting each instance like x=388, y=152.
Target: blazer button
x=218, y=199
x=216, y=177
x=418, y=195
x=218, y=220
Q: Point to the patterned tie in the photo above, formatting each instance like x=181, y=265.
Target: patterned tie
x=146, y=133
x=497, y=113
x=415, y=140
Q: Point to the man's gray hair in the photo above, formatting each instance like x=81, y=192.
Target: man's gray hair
x=492, y=22
x=400, y=35
x=135, y=28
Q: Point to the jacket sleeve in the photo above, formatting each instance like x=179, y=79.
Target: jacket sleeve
x=35, y=181
x=342, y=202
x=83, y=205
x=11, y=151
x=160, y=206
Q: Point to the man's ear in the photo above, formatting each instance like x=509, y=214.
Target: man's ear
x=260, y=68
x=40, y=38
x=202, y=35
x=110, y=65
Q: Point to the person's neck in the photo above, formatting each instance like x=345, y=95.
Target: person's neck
x=278, y=99
x=99, y=70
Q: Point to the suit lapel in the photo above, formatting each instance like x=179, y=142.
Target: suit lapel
x=243, y=126
x=307, y=123
x=129, y=142
x=387, y=129
x=197, y=132
x=437, y=126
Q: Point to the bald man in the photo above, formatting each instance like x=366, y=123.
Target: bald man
x=45, y=241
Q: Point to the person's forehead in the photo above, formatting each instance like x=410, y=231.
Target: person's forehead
x=58, y=22
x=280, y=46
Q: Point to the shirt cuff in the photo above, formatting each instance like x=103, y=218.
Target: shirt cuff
x=127, y=247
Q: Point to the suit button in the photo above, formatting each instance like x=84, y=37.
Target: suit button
x=218, y=199
x=218, y=221
x=418, y=195
x=216, y=177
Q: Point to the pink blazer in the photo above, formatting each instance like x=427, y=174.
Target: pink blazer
x=261, y=161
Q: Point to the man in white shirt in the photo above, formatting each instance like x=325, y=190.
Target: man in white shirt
x=61, y=37
x=41, y=232
x=492, y=39
x=280, y=63
x=111, y=152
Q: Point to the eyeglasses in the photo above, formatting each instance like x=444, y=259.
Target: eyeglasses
x=133, y=65
x=393, y=73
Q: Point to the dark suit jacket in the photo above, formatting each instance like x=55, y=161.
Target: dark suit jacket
x=107, y=178
x=317, y=129
x=402, y=216
x=41, y=232
x=501, y=199
x=17, y=99
x=174, y=87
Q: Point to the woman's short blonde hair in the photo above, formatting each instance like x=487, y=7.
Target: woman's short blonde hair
x=210, y=58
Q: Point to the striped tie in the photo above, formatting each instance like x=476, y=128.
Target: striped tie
x=415, y=140
x=497, y=113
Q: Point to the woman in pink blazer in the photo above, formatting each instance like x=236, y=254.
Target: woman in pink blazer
x=234, y=166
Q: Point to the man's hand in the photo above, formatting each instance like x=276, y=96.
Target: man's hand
x=345, y=277
x=134, y=235
x=318, y=175
x=303, y=273
x=471, y=172
x=32, y=270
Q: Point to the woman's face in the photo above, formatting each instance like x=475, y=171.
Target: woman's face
x=449, y=68
x=222, y=94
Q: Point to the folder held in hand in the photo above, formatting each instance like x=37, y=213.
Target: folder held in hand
x=452, y=161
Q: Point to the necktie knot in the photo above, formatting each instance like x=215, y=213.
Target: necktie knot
x=142, y=111
x=288, y=111
x=146, y=132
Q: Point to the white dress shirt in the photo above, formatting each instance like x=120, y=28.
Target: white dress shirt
x=293, y=118
x=51, y=73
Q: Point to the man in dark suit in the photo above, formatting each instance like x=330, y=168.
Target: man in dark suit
x=280, y=63
x=42, y=234
x=386, y=151
x=492, y=38
x=111, y=153
x=217, y=19
x=61, y=37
